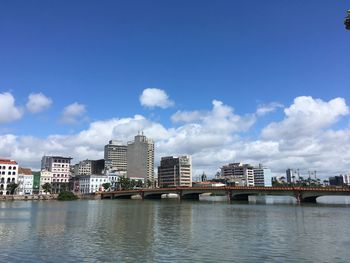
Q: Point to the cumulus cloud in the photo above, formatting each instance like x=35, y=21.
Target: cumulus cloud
x=38, y=102
x=153, y=97
x=306, y=116
x=186, y=116
x=213, y=138
x=8, y=110
x=267, y=108
x=72, y=113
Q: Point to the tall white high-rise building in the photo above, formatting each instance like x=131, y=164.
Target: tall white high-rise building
x=140, y=158
x=115, y=156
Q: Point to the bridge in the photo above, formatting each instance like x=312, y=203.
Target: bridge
x=301, y=194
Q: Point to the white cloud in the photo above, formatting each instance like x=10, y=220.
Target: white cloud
x=307, y=116
x=72, y=113
x=38, y=102
x=8, y=110
x=267, y=108
x=152, y=97
x=186, y=116
x=213, y=138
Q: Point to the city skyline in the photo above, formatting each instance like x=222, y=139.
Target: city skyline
x=225, y=83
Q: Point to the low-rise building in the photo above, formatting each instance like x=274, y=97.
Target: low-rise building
x=45, y=177
x=25, y=181
x=89, y=184
x=8, y=175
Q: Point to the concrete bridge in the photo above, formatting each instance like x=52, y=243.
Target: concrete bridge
x=302, y=194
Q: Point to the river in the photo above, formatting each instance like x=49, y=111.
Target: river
x=172, y=231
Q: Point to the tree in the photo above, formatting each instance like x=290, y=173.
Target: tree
x=12, y=187
x=66, y=196
x=47, y=187
x=347, y=21
x=106, y=186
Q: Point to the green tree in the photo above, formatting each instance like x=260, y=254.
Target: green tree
x=106, y=186
x=47, y=187
x=347, y=21
x=66, y=196
x=12, y=187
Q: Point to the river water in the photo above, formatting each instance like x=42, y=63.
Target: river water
x=172, y=231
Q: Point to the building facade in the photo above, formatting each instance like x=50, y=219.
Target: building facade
x=346, y=179
x=238, y=174
x=25, y=181
x=175, y=171
x=140, y=158
x=262, y=176
x=88, y=167
x=59, y=166
x=45, y=177
x=89, y=184
x=115, y=156
x=9, y=174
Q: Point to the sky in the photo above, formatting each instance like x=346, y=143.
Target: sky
x=224, y=81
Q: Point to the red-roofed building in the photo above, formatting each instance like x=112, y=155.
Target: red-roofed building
x=8, y=175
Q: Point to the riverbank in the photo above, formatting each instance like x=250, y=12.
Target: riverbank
x=41, y=197
x=28, y=197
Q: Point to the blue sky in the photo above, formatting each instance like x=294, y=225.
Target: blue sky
x=102, y=55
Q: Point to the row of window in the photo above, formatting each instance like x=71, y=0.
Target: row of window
x=58, y=180
x=60, y=175
x=8, y=173
x=61, y=161
x=9, y=168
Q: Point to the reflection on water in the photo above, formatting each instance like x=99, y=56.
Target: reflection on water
x=172, y=231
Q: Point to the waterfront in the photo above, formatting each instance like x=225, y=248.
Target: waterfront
x=172, y=231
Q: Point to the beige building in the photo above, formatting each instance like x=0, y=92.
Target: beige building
x=175, y=171
x=45, y=177
x=115, y=156
x=60, y=168
x=140, y=158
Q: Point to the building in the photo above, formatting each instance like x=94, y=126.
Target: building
x=89, y=167
x=262, y=176
x=89, y=184
x=336, y=181
x=59, y=166
x=238, y=174
x=140, y=158
x=25, y=181
x=115, y=156
x=346, y=179
x=175, y=171
x=290, y=175
x=9, y=174
x=45, y=177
